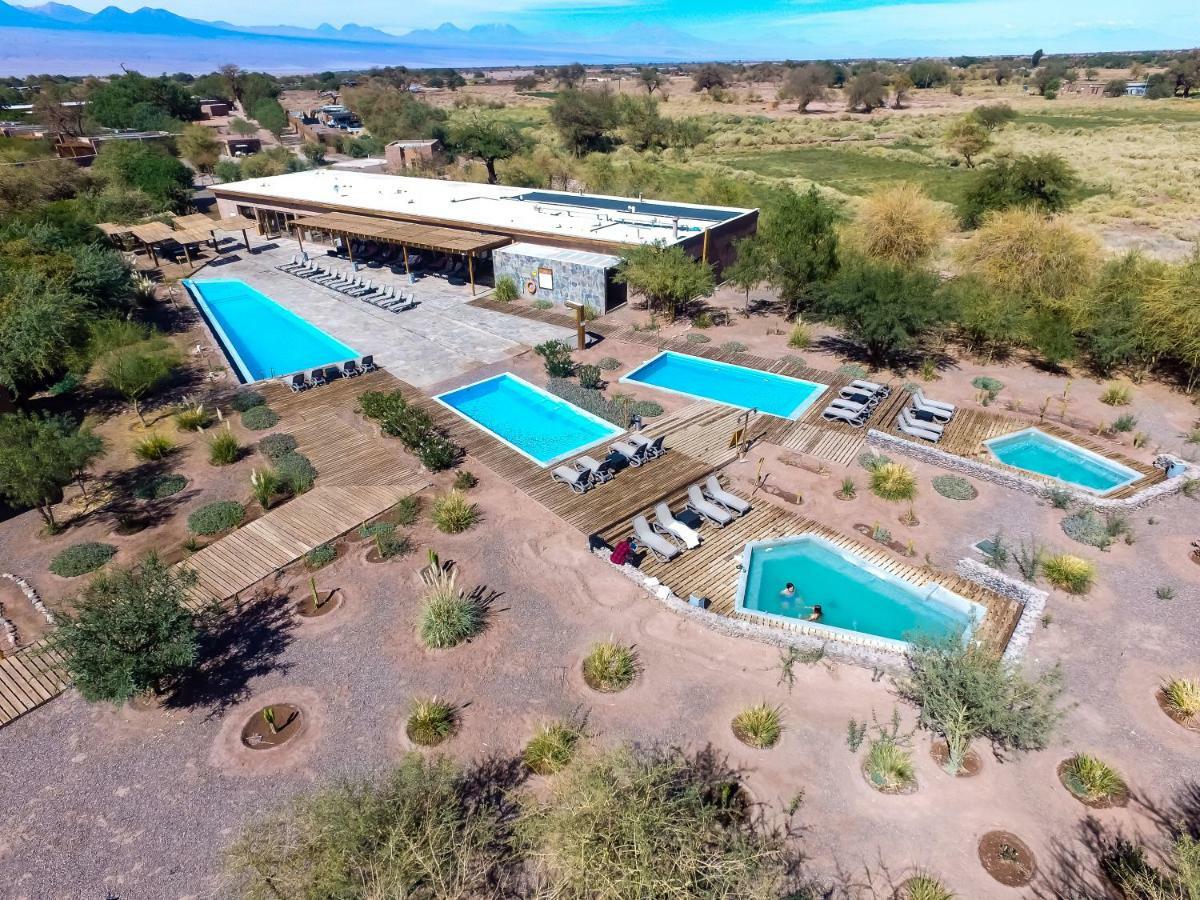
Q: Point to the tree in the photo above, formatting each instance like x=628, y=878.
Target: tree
x=666, y=276
x=750, y=268
x=570, y=76
x=148, y=168
x=39, y=319
x=1048, y=79
x=1111, y=317
x=988, y=320
x=136, y=371
x=391, y=114
x=901, y=86
x=806, y=85
x=233, y=79
x=36, y=461
x=866, y=91
x=1184, y=72
x=1036, y=58
x=994, y=116
x=130, y=632
x=1173, y=316
x=1043, y=182
x=800, y=234
x=584, y=119
x=485, y=137
x=966, y=692
x=525, y=83
x=50, y=109
x=899, y=224
x=644, y=128
x=1117, y=87
x=314, y=152
x=198, y=146
x=134, y=101
x=709, y=76
x=883, y=307
x=270, y=115
x=926, y=73
x=80, y=449
x=651, y=79
x=967, y=138
x=1003, y=72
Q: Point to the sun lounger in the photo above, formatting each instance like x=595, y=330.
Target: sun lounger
x=367, y=363
x=705, y=508
x=920, y=401
x=908, y=418
x=576, y=480
x=601, y=472
x=631, y=454
x=856, y=396
x=906, y=427
x=851, y=405
x=935, y=413
x=652, y=448
x=656, y=544
x=666, y=523
x=870, y=387
x=297, y=383
x=718, y=494
x=837, y=414
x=317, y=378
x=350, y=369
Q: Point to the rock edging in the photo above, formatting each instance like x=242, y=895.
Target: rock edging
x=10, y=630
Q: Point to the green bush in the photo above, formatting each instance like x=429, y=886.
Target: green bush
x=987, y=383
x=223, y=448
x=387, y=542
x=893, y=481
x=733, y=347
x=954, y=487
x=551, y=748
x=296, y=471
x=589, y=377
x=647, y=409
x=319, y=557
x=610, y=667
x=758, y=726
x=260, y=418
x=1182, y=697
x=246, y=400
x=694, y=338
x=193, y=417
x=1117, y=395
x=159, y=486
x=79, y=559
x=1088, y=527
x=154, y=447
x=924, y=887
x=799, y=338
x=453, y=513
x=506, y=289
x=609, y=364
x=1124, y=423
x=852, y=371
x=275, y=446
x=464, y=480
x=437, y=452
x=214, y=518
x=1070, y=573
x=592, y=401
x=407, y=510
x=703, y=320
x=557, y=358
x=870, y=460
x=449, y=616
x=1092, y=779
x=889, y=765
x=430, y=722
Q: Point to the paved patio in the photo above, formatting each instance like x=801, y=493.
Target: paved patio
x=442, y=337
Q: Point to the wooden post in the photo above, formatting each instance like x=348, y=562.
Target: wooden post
x=580, y=329
x=349, y=249
x=407, y=270
x=704, y=253
x=258, y=220
x=471, y=272
x=300, y=238
x=245, y=239
x=153, y=255
x=187, y=254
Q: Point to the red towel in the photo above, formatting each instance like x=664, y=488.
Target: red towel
x=620, y=553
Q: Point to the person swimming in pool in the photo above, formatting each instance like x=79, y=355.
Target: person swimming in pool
x=817, y=612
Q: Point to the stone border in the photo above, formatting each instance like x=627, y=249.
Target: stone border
x=1013, y=480
x=864, y=652
x=10, y=630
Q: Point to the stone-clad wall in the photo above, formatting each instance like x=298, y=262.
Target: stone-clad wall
x=576, y=282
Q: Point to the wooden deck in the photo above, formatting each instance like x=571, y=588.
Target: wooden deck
x=29, y=678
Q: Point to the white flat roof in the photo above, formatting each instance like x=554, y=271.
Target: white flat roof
x=619, y=220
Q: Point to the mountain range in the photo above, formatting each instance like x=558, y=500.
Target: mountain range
x=59, y=38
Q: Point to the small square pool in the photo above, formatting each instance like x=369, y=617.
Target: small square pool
x=1033, y=450
x=535, y=423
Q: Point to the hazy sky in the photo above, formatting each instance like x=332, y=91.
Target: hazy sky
x=961, y=25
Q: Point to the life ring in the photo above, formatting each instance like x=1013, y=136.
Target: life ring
x=531, y=286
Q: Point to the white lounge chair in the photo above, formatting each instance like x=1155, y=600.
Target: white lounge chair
x=631, y=454
x=705, y=508
x=652, y=448
x=909, y=419
x=576, y=480
x=934, y=407
x=601, y=472
x=666, y=523
x=871, y=387
x=853, y=406
x=837, y=414
x=718, y=494
x=655, y=543
x=906, y=427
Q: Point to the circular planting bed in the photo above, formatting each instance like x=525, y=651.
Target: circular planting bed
x=887, y=787
x=1007, y=858
x=259, y=734
x=1192, y=724
x=308, y=608
x=1116, y=800
x=972, y=763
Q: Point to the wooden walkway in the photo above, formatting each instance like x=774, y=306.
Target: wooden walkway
x=30, y=677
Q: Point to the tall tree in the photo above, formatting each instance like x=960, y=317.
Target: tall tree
x=806, y=85
x=136, y=371
x=584, y=119
x=709, y=76
x=651, y=79
x=233, y=77
x=485, y=137
x=36, y=461
x=1173, y=316
x=1044, y=182
x=800, y=234
x=666, y=276
x=866, y=91
x=750, y=268
x=570, y=76
x=199, y=147
x=967, y=138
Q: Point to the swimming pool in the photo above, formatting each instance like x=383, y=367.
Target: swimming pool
x=261, y=338
x=745, y=388
x=1035, y=451
x=855, y=595
x=538, y=425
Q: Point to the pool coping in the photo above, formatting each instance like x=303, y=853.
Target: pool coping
x=1083, y=451
x=794, y=416
x=229, y=348
x=976, y=612
x=616, y=430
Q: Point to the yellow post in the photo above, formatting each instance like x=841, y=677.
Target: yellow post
x=471, y=272
x=704, y=253
x=404, y=250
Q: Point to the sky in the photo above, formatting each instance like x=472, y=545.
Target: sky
x=805, y=27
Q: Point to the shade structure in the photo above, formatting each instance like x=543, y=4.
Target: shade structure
x=421, y=237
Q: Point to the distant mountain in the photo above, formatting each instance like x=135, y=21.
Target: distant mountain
x=147, y=20
x=61, y=12
x=19, y=17
x=448, y=34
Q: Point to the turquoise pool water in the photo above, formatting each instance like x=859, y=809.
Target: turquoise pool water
x=545, y=428
x=777, y=395
x=262, y=338
x=1036, y=451
x=854, y=595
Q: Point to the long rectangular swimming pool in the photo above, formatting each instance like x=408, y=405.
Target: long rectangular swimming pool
x=1036, y=451
x=854, y=594
x=261, y=338
x=535, y=423
x=739, y=386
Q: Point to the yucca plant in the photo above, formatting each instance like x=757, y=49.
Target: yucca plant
x=894, y=481
x=610, y=667
x=551, y=748
x=1117, y=395
x=450, y=616
x=264, y=484
x=1070, y=573
x=430, y=721
x=889, y=766
x=924, y=887
x=453, y=512
x=758, y=726
x=143, y=289
x=192, y=417
x=849, y=488
x=1182, y=696
x=800, y=336
x=1092, y=779
x=154, y=447
x=268, y=715
x=223, y=448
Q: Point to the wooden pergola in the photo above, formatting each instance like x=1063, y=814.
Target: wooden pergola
x=201, y=222
x=458, y=241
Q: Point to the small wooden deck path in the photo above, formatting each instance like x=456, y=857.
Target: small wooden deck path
x=30, y=677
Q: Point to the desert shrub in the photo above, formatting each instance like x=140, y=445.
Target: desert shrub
x=213, y=518
x=556, y=355
x=1090, y=528
x=430, y=721
x=987, y=383
x=79, y=559
x=609, y=364
x=450, y=616
x=1029, y=556
x=733, y=347
x=437, y=452
x=703, y=320
x=387, y=542
x=551, y=747
x=954, y=487
x=1124, y=423
x=421, y=831
x=1091, y=778
x=1117, y=395
x=1060, y=498
x=889, y=765
x=407, y=510
x=321, y=556
x=1070, y=573
x=610, y=667
x=1182, y=697
x=870, y=460
x=593, y=401
x=154, y=447
x=924, y=887
x=697, y=338
x=296, y=471
x=276, y=446
x=464, y=480
x=894, y=481
x=1137, y=878
x=192, y=417
x=247, y=400
x=260, y=418
x=647, y=409
x=849, y=489
x=694, y=835
x=159, y=486
x=265, y=484
x=506, y=289
x=453, y=513
x=758, y=726
x=223, y=448
x=800, y=337
x=851, y=371
x=543, y=303
x=589, y=377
